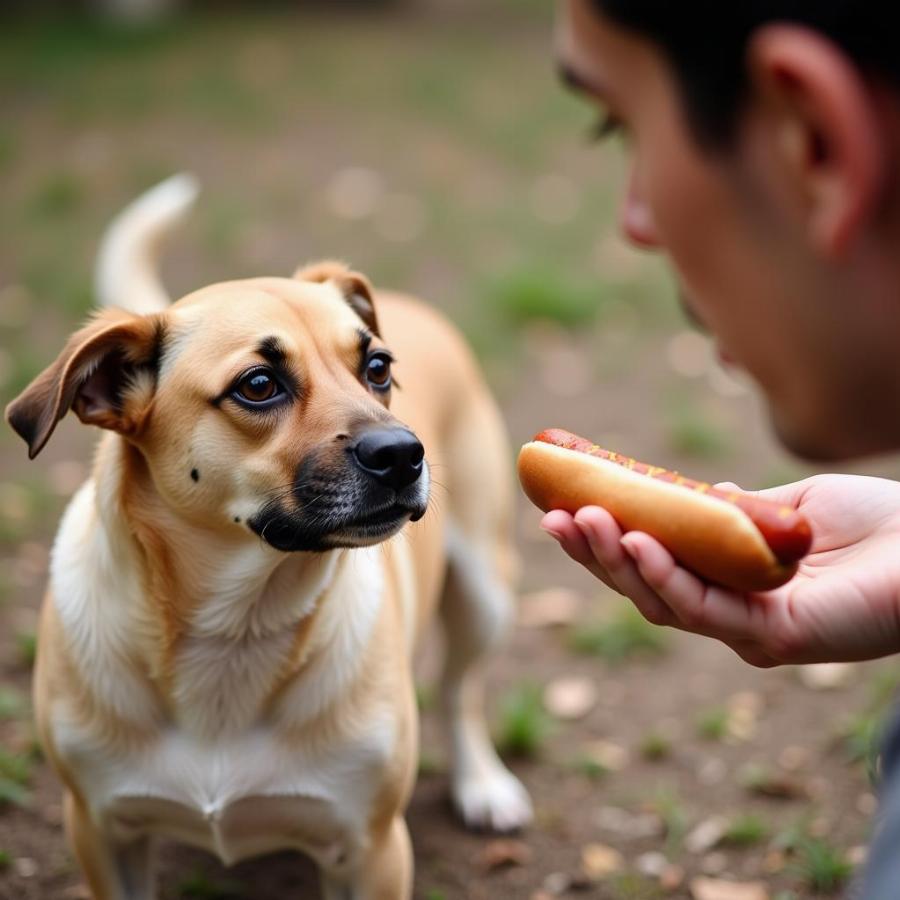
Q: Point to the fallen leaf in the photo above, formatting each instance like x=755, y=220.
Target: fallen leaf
x=503, y=852
x=570, y=698
x=600, y=861
x=610, y=756
x=706, y=835
x=549, y=608
x=826, y=676
x=715, y=889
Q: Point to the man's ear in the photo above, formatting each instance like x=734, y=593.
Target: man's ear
x=356, y=288
x=826, y=130
x=106, y=373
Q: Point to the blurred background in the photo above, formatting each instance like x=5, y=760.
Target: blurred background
x=428, y=144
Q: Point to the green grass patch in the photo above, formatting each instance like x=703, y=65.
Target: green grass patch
x=668, y=806
x=820, y=866
x=625, y=635
x=590, y=767
x=523, y=725
x=58, y=195
x=692, y=433
x=26, y=643
x=544, y=295
x=13, y=704
x=15, y=778
x=655, y=747
x=713, y=724
x=200, y=886
x=745, y=831
x=631, y=886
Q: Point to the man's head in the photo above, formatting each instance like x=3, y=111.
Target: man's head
x=765, y=149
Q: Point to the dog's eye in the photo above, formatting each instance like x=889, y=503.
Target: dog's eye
x=257, y=386
x=378, y=370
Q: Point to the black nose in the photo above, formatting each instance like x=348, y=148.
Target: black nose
x=392, y=456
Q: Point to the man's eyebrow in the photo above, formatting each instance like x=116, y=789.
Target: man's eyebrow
x=574, y=80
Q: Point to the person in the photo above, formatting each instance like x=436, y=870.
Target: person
x=764, y=151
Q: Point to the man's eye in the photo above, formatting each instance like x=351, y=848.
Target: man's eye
x=257, y=386
x=606, y=126
x=378, y=371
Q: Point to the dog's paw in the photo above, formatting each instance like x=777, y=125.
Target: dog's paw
x=492, y=800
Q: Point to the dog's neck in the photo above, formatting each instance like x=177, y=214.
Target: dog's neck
x=201, y=587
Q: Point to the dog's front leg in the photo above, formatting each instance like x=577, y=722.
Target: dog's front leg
x=113, y=870
x=384, y=871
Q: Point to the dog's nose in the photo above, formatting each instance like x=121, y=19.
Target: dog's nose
x=392, y=456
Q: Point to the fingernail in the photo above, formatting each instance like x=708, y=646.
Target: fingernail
x=554, y=534
x=629, y=548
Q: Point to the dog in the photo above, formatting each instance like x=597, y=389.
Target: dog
x=224, y=650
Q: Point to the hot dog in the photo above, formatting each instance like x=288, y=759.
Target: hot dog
x=727, y=537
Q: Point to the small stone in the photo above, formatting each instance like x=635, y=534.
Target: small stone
x=599, y=861
x=504, y=852
x=857, y=856
x=793, y=758
x=715, y=889
x=610, y=756
x=652, y=864
x=672, y=878
x=706, y=835
x=25, y=867
x=712, y=771
x=549, y=608
x=557, y=883
x=867, y=804
x=826, y=676
x=714, y=863
x=570, y=698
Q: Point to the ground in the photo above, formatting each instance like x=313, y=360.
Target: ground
x=429, y=145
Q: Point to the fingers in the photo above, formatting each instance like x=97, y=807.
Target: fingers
x=697, y=606
x=561, y=526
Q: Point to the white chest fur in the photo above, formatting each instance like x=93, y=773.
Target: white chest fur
x=219, y=771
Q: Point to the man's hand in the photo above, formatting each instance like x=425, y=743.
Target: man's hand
x=843, y=603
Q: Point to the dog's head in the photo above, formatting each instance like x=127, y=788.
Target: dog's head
x=261, y=404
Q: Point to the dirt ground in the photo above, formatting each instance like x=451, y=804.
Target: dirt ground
x=433, y=149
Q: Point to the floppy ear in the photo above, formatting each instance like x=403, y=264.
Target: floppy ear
x=106, y=373
x=356, y=288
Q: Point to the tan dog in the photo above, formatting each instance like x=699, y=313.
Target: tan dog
x=224, y=649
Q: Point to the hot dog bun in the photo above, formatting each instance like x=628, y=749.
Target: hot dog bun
x=733, y=539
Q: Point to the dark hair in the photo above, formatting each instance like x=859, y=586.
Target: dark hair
x=705, y=44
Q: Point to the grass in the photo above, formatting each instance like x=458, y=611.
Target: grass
x=58, y=195
x=26, y=641
x=655, y=747
x=15, y=778
x=694, y=434
x=200, y=886
x=745, y=831
x=543, y=295
x=668, y=806
x=861, y=734
x=13, y=704
x=820, y=866
x=523, y=725
x=713, y=724
x=631, y=886
x=5, y=859
x=590, y=767
x=625, y=635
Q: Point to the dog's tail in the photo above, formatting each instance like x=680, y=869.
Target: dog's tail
x=126, y=273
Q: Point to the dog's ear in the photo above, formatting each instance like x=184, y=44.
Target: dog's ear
x=356, y=288
x=106, y=373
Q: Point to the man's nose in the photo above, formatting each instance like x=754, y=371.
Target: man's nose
x=636, y=218
x=392, y=456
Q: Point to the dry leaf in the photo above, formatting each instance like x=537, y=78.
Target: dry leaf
x=714, y=889
x=549, y=608
x=503, y=852
x=706, y=835
x=600, y=861
x=570, y=698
